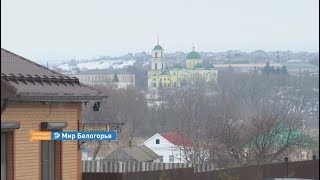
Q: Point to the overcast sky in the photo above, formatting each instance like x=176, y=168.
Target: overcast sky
x=46, y=30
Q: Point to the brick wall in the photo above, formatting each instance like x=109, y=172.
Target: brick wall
x=27, y=155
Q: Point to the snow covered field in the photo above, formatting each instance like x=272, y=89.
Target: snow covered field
x=100, y=64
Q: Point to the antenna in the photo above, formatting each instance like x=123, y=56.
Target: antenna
x=158, y=39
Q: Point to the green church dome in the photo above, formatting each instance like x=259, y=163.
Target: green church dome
x=209, y=66
x=157, y=47
x=193, y=54
x=199, y=65
x=177, y=66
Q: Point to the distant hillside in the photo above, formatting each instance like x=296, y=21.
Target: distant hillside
x=142, y=59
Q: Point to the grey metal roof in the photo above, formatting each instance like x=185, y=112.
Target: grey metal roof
x=141, y=153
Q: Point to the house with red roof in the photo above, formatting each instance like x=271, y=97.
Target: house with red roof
x=170, y=146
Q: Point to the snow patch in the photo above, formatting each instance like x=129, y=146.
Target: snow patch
x=102, y=64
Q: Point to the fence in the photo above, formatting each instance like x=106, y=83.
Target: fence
x=132, y=166
x=301, y=169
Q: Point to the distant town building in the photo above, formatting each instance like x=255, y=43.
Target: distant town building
x=153, y=100
x=114, y=78
x=161, y=77
x=296, y=67
x=244, y=68
x=308, y=150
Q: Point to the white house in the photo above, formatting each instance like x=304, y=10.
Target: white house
x=85, y=154
x=171, y=146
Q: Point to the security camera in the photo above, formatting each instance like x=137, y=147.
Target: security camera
x=96, y=106
x=86, y=104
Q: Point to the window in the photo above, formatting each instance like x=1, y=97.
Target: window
x=154, y=84
x=156, y=54
x=50, y=160
x=47, y=160
x=7, y=128
x=155, y=66
x=3, y=155
x=171, y=158
x=51, y=153
x=6, y=155
x=157, y=141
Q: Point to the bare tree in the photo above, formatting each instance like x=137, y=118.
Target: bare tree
x=226, y=123
x=126, y=106
x=242, y=119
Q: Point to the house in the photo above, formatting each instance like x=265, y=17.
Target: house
x=243, y=68
x=85, y=154
x=309, y=149
x=115, y=78
x=171, y=146
x=301, y=68
x=140, y=153
x=34, y=97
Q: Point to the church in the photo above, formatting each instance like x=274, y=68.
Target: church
x=162, y=77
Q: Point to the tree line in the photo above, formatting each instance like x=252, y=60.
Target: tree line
x=241, y=119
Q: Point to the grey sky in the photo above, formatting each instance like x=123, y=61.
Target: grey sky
x=45, y=30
